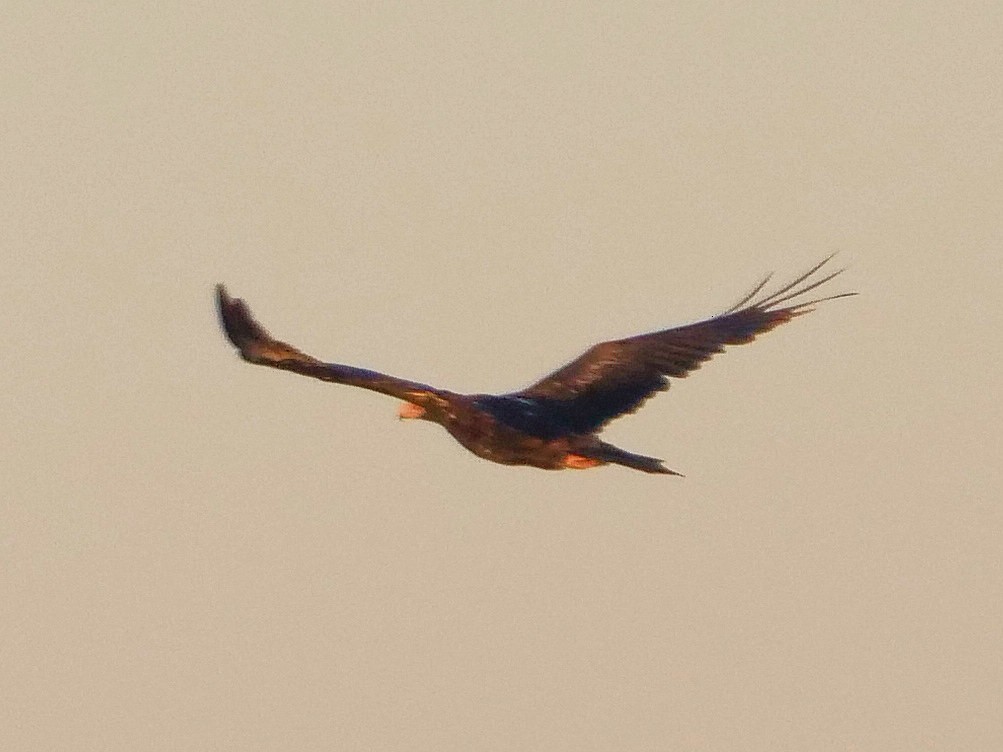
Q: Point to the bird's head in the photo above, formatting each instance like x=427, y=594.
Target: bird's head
x=409, y=411
x=424, y=406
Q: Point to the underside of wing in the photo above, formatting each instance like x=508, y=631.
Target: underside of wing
x=614, y=378
x=257, y=346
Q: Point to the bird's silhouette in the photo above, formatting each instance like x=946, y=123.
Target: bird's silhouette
x=554, y=423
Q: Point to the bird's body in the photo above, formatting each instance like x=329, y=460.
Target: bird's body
x=554, y=423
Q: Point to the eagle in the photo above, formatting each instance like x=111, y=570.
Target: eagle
x=555, y=423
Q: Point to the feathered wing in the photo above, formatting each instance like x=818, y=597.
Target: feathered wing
x=614, y=378
x=257, y=346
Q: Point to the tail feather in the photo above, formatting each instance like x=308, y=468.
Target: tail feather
x=615, y=455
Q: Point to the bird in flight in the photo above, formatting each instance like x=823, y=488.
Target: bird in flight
x=555, y=423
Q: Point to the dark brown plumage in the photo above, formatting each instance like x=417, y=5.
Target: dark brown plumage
x=554, y=423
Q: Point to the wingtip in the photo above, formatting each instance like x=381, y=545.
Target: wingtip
x=222, y=298
x=238, y=324
x=803, y=284
x=225, y=304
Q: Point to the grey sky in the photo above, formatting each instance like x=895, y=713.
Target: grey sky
x=197, y=554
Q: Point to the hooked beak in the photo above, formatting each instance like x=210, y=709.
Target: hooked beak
x=409, y=410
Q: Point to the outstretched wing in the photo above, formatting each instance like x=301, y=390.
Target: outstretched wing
x=614, y=378
x=257, y=346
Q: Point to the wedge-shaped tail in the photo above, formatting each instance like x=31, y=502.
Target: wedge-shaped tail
x=617, y=456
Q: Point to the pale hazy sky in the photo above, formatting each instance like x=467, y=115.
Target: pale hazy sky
x=198, y=554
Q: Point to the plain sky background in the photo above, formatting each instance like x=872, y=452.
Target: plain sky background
x=198, y=554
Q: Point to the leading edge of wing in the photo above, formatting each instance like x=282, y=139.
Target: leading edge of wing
x=617, y=376
x=257, y=346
